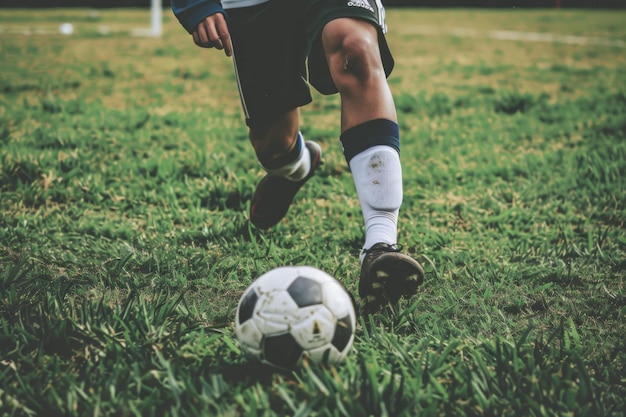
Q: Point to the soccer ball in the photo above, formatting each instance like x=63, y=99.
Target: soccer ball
x=293, y=312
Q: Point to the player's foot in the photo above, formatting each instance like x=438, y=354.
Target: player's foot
x=274, y=194
x=386, y=276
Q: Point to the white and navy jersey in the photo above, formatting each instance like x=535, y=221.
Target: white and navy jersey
x=192, y=12
x=233, y=4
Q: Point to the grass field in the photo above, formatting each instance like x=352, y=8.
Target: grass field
x=125, y=180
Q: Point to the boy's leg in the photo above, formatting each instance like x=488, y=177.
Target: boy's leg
x=274, y=141
x=289, y=162
x=268, y=68
x=370, y=137
x=369, y=127
x=353, y=55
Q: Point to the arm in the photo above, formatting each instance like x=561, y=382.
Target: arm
x=205, y=20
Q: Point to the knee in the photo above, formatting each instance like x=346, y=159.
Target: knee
x=353, y=55
x=273, y=140
x=268, y=145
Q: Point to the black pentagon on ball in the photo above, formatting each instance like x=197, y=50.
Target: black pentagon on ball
x=282, y=350
x=343, y=333
x=246, y=308
x=306, y=292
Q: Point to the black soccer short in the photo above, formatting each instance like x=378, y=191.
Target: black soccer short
x=272, y=42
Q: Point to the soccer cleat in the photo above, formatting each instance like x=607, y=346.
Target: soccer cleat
x=274, y=194
x=386, y=276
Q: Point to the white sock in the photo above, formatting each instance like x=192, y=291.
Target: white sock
x=299, y=167
x=377, y=174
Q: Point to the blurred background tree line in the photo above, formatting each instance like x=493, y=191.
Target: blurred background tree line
x=614, y=4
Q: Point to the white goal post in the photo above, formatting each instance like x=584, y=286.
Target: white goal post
x=156, y=21
x=156, y=13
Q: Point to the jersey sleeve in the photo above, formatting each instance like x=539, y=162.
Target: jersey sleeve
x=191, y=12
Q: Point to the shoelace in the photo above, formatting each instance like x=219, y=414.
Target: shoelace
x=396, y=247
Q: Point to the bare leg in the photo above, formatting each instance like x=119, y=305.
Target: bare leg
x=273, y=141
x=289, y=163
x=353, y=56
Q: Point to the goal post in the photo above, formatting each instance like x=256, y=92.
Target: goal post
x=156, y=21
x=156, y=13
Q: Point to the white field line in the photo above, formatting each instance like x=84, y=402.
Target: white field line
x=101, y=30
x=22, y=30
x=512, y=35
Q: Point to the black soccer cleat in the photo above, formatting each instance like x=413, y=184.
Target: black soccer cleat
x=386, y=276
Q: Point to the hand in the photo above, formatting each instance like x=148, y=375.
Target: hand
x=212, y=32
